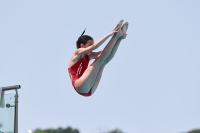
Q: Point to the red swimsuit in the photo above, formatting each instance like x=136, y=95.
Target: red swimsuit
x=77, y=71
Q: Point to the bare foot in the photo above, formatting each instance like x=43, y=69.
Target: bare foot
x=124, y=29
x=118, y=30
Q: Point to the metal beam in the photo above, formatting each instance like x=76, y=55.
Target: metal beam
x=11, y=87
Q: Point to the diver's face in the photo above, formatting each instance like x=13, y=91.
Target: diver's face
x=89, y=43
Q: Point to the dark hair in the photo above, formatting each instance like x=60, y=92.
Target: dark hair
x=83, y=39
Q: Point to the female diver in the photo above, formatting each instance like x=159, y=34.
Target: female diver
x=84, y=78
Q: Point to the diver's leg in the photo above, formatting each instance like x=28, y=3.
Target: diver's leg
x=98, y=77
x=97, y=80
x=108, y=48
x=112, y=54
x=114, y=50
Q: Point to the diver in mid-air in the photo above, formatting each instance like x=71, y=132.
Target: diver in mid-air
x=84, y=78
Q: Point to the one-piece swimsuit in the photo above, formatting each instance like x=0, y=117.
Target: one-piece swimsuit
x=77, y=71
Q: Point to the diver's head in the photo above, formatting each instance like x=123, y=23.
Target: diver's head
x=84, y=41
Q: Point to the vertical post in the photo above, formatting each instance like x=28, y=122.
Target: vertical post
x=16, y=112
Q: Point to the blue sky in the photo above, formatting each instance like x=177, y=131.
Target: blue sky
x=150, y=86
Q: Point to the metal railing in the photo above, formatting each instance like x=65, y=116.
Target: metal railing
x=8, y=88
